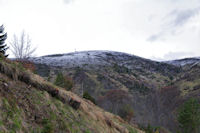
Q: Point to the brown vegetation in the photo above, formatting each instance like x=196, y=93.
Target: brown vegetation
x=32, y=104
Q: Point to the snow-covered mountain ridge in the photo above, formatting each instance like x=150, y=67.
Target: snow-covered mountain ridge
x=99, y=59
x=86, y=58
x=185, y=61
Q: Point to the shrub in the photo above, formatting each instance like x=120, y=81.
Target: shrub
x=27, y=65
x=189, y=116
x=25, y=77
x=87, y=96
x=126, y=112
x=121, y=69
x=9, y=69
x=149, y=129
x=2, y=57
x=131, y=130
x=64, y=82
x=48, y=126
x=152, y=129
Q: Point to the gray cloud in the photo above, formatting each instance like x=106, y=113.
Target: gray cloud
x=181, y=17
x=154, y=37
x=67, y=1
x=156, y=58
x=173, y=56
x=105, y=24
x=177, y=55
x=176, y=18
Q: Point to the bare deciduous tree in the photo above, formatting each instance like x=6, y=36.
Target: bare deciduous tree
x=22, y=47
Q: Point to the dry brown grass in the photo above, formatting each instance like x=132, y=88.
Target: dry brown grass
x=106, y=122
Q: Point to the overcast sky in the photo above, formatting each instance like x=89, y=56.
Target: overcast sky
x=154, y=29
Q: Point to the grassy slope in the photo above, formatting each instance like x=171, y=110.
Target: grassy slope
x=138, y=84
x=158, y=107
x=29, y=104
x=189, y=81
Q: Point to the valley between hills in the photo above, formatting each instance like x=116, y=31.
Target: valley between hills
x=141, y=91
x=95, y=92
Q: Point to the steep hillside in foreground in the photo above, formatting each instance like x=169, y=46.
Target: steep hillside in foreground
x=30, y=104
x=119, y=83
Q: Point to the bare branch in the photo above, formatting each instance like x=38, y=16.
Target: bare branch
x=22, y=48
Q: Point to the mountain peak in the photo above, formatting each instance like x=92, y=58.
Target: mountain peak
x=83, y=58
x=31, y=104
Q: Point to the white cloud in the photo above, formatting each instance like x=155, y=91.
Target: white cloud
x=177, y=55
x=182, y=17
x=135, y=26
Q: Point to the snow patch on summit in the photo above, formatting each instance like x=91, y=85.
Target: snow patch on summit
x=82, y=58
x=183, y=62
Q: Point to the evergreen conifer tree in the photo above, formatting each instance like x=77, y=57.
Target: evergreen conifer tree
x=189, y=116
x=3, y=37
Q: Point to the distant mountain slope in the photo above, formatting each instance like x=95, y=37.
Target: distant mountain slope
x=183, y=62
x=85, y=57
x=28, y=103
x=189, y=81
x=103, y=58
x=120, y=82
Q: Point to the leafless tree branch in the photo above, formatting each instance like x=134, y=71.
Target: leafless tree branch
x=22, y=47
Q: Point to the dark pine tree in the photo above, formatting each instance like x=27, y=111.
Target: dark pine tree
x=3, y=37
